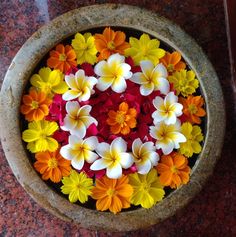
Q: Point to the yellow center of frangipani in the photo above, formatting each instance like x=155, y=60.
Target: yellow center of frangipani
x=52, y=163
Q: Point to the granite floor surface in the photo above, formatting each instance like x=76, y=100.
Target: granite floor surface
x=213, y=211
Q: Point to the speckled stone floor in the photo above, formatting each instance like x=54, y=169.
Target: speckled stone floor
x=212, y=211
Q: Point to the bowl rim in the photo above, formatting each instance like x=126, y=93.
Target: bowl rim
x=39, y=44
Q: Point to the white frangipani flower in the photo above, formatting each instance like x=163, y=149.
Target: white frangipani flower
x=113, y=73
x=151, y=78
x=113, y=158
x=77, y=119
x=145, y=155
x=81, y=86
x=79, y=151
x=167, y=137
x=167, y=110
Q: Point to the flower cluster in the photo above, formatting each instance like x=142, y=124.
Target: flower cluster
x=113, y=119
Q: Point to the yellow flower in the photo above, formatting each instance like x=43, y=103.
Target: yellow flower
x=38, y=136
x=85, y=48
x=49, y=81
x=184, y=82
x=193, y=135
x=78, y=186
x=147, y=189
x=144, y=49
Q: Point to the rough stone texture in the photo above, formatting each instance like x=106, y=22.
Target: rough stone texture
x=210, y=190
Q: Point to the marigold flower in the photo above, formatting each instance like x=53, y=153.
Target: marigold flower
x=77, y=119
x=35, y=105
x=62, y=58
x=172, y=61
x=152, y=78
x=78, y=186
x=79, y=151
x=38, y=135
x=49, y=81
x=167, y=110
x=194, y=136
x=81, y=86
x=113, y=73
x=110, y=42
x=84, y=48
x=122, y=120
x=192, y=108
x=184, y=82
x=167, y=137
x=145, y=155
x=112, y=194
x=113, y=158
x=52, y=165
x=147, y=189
x=173, y=170
x=144, y=49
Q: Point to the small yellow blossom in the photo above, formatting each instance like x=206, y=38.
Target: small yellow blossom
x=144, y=49
x=78, y=186
x=49, y=81
x=85, y=49
x=38, y=136
x=184, y=81
x=147, y=189
x=194, y=136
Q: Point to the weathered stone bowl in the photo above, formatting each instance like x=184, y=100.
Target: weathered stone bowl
x=38, y=46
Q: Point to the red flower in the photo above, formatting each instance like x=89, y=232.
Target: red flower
x=57, y=110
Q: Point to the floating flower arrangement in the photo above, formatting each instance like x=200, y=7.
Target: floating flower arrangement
x=113, y=120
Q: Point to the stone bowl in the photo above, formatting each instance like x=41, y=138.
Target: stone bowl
x=38, y=46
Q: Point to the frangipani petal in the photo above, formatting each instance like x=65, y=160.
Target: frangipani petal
x=146, y=89
x=163, y=85
x=126, y=160
x=98, y=165
x=137, y=143
x=77, y=163
x=92, y=142
x=144, y=168
x=118, y=145
x=70, y=95
x=102, y=149
x=114, y=172
x=119, y=85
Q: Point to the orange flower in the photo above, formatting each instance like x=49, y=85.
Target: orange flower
x=192, y=108
x=110, y=42
x=35, y=105
x=112, y=194
x=52, y=165
x=173, y=170
x=172, y=61
x=63, y=58
x=122, y=120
